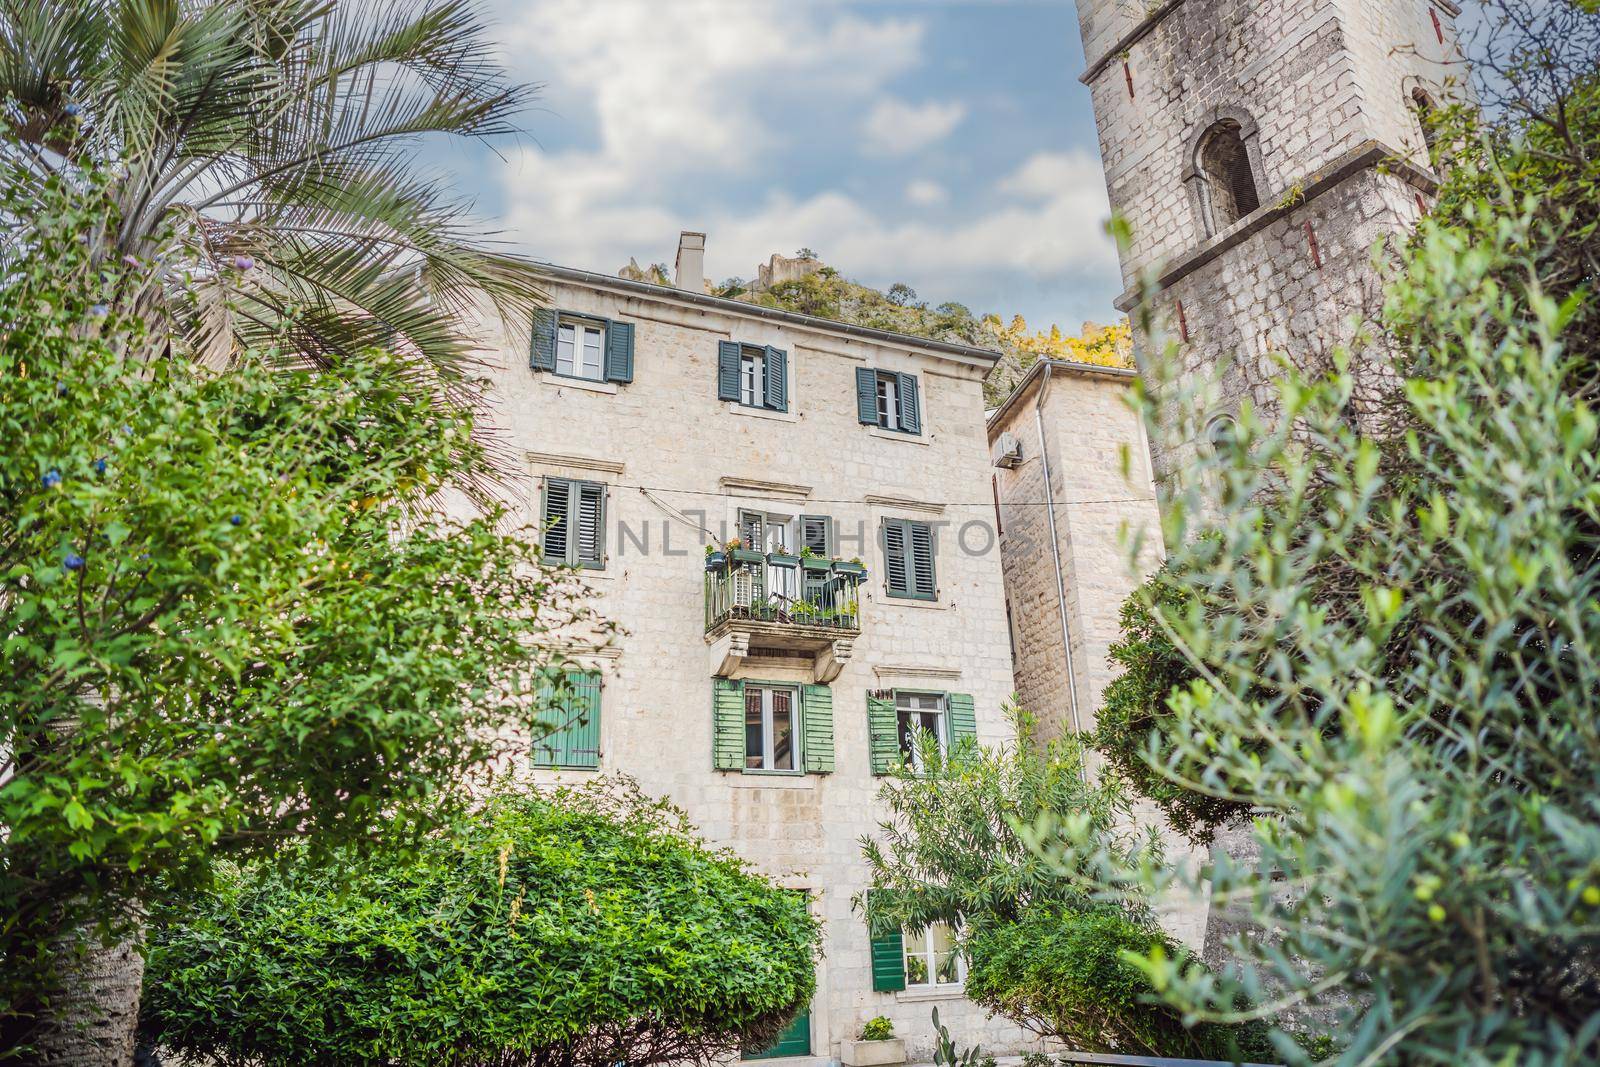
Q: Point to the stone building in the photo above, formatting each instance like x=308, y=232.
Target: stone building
x=1259, y=151
x=766, y=689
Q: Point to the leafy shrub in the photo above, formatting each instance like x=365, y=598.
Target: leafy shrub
x=579, y=927
x=1065, y=972
x=877, y=1028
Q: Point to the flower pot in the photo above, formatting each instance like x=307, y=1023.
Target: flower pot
x=846, y=567
x=748, y=555
x=884, y=1053
x=715, y=561
x=812, y=563
x=782, y=559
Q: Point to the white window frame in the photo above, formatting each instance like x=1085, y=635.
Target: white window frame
x=573, y=365
x=926, y=955
x=940, y=731
x=768, y=753
x=888, y=390
x=752, y=376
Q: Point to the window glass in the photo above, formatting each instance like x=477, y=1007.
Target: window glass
x=769, y=728
x=888, y=402
x=752, y=377
x=918, y=713
x=932, y=958
x=578, y=350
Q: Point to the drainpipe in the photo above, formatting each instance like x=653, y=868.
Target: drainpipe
x=1055, y=549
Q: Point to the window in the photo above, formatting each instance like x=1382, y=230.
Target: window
x=888, y=399
x=1229, y=186
x=915, y=714
x=932, y=958
x=908, y=560
x=571, y=714
x=1423, y=105
x=1221, y=433
x=579, y=348
x=770, y=714
x=573, y=519
x=582, y=346
x=773, y=534
x=754, y=376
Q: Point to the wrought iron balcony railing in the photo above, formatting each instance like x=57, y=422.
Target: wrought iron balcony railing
x=789, y=590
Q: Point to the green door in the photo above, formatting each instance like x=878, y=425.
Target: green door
x=795, y=1041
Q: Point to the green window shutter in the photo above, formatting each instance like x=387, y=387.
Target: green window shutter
x=924, y=585
x=883, y=733
x=910, y=409
x=777, y=375
x=867, y=396
x=888, y=960
x=589, y=535
x=619, y=351
x=727, y=370
x=543, y=354
x=816, y=533
x=816, y=720
x=896, y=557
x=554, y=512
x=727, y=729
x=574, y=723
x=962, y=719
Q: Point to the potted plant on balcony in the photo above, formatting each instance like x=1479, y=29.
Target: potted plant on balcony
x=852, y=567
x=783, y=559
x=716, y=558
x=877, y=1046
x=813, y=562
x=739, y=554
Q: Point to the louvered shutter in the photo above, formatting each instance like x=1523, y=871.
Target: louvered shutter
x=883, y=733
x=751, y=531
x=727, y=724
x=867, y=396
x=816, y=533
x=573, y=723
x=619, y=351
x=896, y=562
x=962, y=718
x=910, y=408
x=777, y=375
x=727, y=370
x=816, y=721
x=590, y=533
x=888, y=960
x=543, y=349
x=554, y=515
x=923, y=583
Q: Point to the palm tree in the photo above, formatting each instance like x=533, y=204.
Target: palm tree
x=275, y=139
x=271, y=143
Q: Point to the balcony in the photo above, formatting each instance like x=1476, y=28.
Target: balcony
x=773, y=610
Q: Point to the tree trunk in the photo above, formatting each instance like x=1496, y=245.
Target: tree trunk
x=93, y=1014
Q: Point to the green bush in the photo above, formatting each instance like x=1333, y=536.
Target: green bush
x=1065, y=970
x=877, y=1028
x=576, y=927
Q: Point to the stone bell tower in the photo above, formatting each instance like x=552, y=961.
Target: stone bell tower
x=1258, y=150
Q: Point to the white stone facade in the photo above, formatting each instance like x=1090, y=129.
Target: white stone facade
x=678, y=464
x=1324, y=95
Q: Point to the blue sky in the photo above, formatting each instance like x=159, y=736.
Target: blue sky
x=946, y=144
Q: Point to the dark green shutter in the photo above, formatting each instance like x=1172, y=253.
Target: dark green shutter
x=554, y=513
x=816, y=533
x=924, y=586
x=727, y=370
x=867, y=396
x=543, y=354
x=816, y=719
x=888, y=959
x=883, y=734
x=896, y=557
x=963, y=719
x=777, y=374
x=589, y=534
x=910, y=409
x=727, y=730
x=619, y=351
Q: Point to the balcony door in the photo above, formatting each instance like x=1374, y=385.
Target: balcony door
x=769, y=532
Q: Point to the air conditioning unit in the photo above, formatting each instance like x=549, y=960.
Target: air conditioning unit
x=1007, y=451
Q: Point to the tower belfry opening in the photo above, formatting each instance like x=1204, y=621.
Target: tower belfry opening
x=1230, y=184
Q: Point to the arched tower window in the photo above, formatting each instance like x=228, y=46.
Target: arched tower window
x=1228, y=188
x=1423, y=105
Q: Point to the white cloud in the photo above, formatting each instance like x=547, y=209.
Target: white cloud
x=896, y=128
x=925, y=193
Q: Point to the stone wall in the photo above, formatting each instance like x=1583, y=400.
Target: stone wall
x=679, y=463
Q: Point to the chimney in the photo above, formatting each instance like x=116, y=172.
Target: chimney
x=691, y=265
